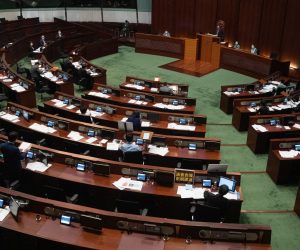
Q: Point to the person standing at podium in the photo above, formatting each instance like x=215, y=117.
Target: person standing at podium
x=220, y=30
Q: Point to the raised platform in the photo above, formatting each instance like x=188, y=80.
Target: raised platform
x=190, y=67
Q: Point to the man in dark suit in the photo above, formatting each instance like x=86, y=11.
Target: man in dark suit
x=43, y=42
x=218, y=200
x=12, y=158
x=136, y=121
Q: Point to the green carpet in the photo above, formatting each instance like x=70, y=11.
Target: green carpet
x=260, y=193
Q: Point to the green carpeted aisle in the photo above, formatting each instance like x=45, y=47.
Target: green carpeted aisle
x=260, y=193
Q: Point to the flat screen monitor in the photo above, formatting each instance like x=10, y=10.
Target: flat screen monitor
x=109, y=110
x=104, y=91
x=192, y=146
x=14, y=208
x=212, y=145
x=99, y=109
x=164, y=178
x=18, y=113
x=65, y=219
x=183, y=121
x=253, y=104
x=30, y=155
x=153, y=117
x=1, y=203
x=63, y=125
x=297, y=147
x=273, y=122
x=228, y=182
x=137, y=97
x=101, y=169
x=80, y=166
x=66, y=101
x=91, y=133
x=139, y=141
x=26, y=115
x=89, y=222
x=175, y=102
x=50, y=124
x=217, y=168
x=65, y=77
x=206, y=183
x=141, y=177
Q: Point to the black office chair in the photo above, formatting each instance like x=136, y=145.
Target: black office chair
x=130, y=207
x=57, y=193
x=190, y=164
x=28, y=74
x=82, y=83
x=41, y=88
x=20, y=70
x=133, y=157
x=200, y=211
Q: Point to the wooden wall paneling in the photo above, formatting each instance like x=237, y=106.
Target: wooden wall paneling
x=162, y=16
x=272, y=24
x=184, y=18
x=290, y=48
x=249, y=22
x=205, y=16
x=228, y=11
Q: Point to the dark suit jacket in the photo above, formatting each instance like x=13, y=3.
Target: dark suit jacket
x=216, y=200
x=12, y=160
x=136, y=123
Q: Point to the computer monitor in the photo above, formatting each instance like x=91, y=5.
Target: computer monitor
x=109, y=110
x=137, y=97
x=206, y=183
x=65, y=219
x=228, y=182
x=30, y=155
x=89, y=222
x=104, y=91
x=66, y=101
x=192, y=146
x=175, y=102
x=80, y=166
x=273, y=122
x=26, y=115
x=139, y=141
x=101, y=169
x=141, y=177
x=1, y=203
x=14, y=208
x=164, y=178
x=212, y=145
x=18, y=113
x=50, y=124
x=217, y=168
x=99, y=109
x=297, y=147
x=183, y=121
x=153, y=117
x=91, y=133
x=253, y=104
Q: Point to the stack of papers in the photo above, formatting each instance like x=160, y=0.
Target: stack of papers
x=24, y=146
x=17, y=87
x=4, y=212
x=134, y=86
x=37, y=166
x=137, y=102
x=186, y=192
x=288, y=154
x=112, y=146
x=71, y=107
x=296, y=125
x=99, y=94
x=91, y=140
x=154, y=89
x=123, y=183
x=229, y=93
x=259, y=128
x=74, y=135
x=9, y=117
x=7, y=80
x=145, y=124
x=252, y=109
x=168, y=106
x=94, y=113
x=162, y=151
x=42, y=128
x=181, y=127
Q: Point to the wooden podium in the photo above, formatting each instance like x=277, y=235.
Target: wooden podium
x=209, y=49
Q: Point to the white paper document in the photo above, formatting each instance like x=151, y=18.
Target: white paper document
x=289, y=153
x=4, y=212
x=123, y=183
x=162, y=151
x=145, y=124
x=112, y=146
x=37, y=166
x=173, y=125
x=259, y=128
x=24, y=146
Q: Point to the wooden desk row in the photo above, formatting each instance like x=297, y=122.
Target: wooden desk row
x=105, y=118
x=157, y=198
x=259, y=141
x=283, y=170
x=14, y=24
x=174, y=155
x=49, y=233
x=182, y=89
x=243, y=108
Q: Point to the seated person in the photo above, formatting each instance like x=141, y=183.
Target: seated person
x=264, y=109
x=12, y=158
x=136, y=121
x=31, y=47
x=59, y=35
x=253, y=50
x=129, y=146
x=167, y=33
x=35, y=72
x=218, y=200
x=43, y=42
x=236, y=45
x=84, y=110
x=165, y=90
x=125, y=29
